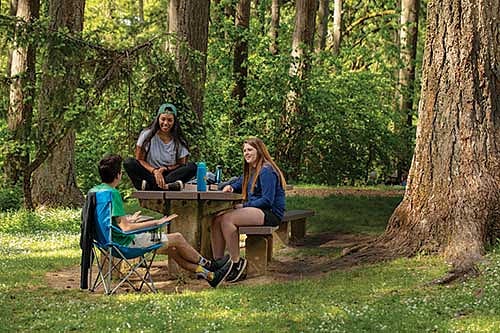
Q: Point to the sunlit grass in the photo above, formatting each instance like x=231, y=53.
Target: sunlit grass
x=387, y=297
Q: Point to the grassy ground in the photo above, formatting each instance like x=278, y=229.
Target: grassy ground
x=390, y=297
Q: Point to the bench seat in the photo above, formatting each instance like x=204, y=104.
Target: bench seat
x=259, y=241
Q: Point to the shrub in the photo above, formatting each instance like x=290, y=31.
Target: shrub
x=10, y=198
x=62, y=220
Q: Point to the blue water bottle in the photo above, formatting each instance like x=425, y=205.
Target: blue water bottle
x=201, y=177
x=218, y=174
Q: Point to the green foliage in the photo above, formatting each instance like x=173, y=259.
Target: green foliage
x=26, y=222
x=349, y=127
x=10, y=198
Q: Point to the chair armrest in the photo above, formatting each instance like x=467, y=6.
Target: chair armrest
x=139, y=231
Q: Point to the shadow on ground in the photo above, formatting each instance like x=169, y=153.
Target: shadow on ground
x=315, y=257
x=289, y=263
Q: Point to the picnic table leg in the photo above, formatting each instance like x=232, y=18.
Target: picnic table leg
x=187, y=223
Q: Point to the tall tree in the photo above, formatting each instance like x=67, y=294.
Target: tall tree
x=295, y=114
x=275, y=26
x=240, y=69
x=141, y=11
x=408, y=51
x=54, y=182
x=22, y=93
x=188, y=20
x=12, y=12
x=323, y=15
x=337, y=26
x=452, y=200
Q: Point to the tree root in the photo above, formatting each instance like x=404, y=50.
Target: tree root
x=382, y=250
x=460, y=274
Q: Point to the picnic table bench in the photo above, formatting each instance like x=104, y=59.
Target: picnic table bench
x=259, y=241
x=196, y=209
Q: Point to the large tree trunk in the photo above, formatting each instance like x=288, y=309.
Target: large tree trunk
x=275, y=26
x=22, y=93
x=54, y=182
x=451, y=204
x=323, y=14
x=240, y=69
x=295, y=114
x=408, y=51
x=189, y=22
x=337, y=26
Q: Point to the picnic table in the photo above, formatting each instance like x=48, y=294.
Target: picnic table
x=195, y=209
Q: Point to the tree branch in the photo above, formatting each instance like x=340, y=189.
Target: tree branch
x=366, y=18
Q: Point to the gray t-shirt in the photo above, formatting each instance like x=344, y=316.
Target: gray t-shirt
x=161, y=153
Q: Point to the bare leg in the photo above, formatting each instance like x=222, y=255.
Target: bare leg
x=173, y=253
x=217, y=238
x=230, y=223
x=183, y=249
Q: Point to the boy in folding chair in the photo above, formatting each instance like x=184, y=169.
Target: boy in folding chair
x=177, y=246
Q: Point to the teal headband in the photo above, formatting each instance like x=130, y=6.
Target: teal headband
x=168, y=109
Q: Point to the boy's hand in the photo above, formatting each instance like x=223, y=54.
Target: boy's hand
x=135, y=217
x=167, y=218
x=170, y=217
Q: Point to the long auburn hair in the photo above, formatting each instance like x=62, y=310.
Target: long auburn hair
x=175, y=131
x=263, y=157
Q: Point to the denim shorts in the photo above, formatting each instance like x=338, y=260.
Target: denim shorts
x=270, y=219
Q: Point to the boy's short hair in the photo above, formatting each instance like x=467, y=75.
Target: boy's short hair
x=109, y=167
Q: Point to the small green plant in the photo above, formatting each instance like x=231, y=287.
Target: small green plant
x=10, y=198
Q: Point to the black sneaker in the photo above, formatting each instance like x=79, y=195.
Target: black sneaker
x=175, y=186
x=217, y=263
x=220, y=274
x=238, y=271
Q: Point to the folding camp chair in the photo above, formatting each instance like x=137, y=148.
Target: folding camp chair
x=103, y=244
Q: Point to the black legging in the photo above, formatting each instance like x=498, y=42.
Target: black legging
x=138, y=173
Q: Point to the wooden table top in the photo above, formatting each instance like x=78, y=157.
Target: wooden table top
x=186, y=195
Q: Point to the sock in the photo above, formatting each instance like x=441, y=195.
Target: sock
x=202, y=272
x=204, y=262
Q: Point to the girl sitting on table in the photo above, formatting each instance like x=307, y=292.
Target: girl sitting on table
x=161, y=155
x=262, y=186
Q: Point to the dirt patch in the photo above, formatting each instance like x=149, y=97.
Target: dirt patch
x=315, y=192
x=286, y=265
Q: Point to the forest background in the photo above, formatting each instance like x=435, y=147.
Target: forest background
x=333, y=104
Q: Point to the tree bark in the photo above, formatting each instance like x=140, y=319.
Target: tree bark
x=240, y=69
x=275, y=26
x=21, y=96
x=408, y=51
x=452, y=200
x=295, y=116
x=189, y=22
x=323, y=15
x=141, y=11
x=54, y=182
x=12, y=12
x=337, y=26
